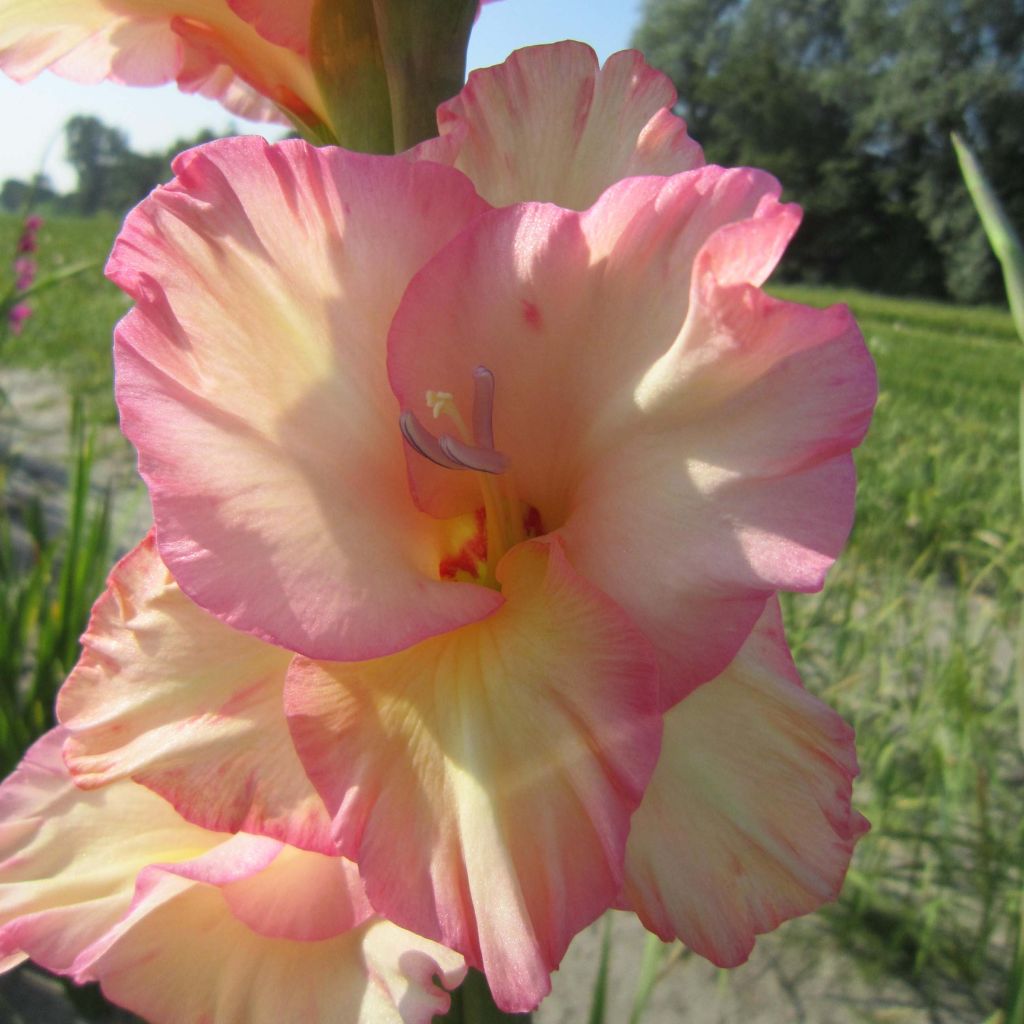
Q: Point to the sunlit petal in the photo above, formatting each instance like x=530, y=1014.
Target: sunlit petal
x=200, y=44
x=286, y=24
x=251, y=377
x=484, y=780
x=747, y=821
x=167, y=695
x=687, y=435
x=550, y=124
x=68, y=859
x=185, y=925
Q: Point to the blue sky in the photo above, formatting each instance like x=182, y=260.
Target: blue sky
x=32, y=116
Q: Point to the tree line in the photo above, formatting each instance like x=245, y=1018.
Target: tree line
x=851, y=104
x=111, y=177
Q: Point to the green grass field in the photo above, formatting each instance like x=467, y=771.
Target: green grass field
x=913, y=639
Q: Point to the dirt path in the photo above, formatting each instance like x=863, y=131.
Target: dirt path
x=34, y=446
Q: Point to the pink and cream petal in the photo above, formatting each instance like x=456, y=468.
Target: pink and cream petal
x=300, y=897
x=552, y=125
x=200, y=44
x=167, y=695
x=484, y=780
x=656, y=408
x=251, y=378
x=187, y=926
x=184, y=956
x=569, y=311
x=87, y=42
x=69, y=859
x=747, y=821
x=284, y=24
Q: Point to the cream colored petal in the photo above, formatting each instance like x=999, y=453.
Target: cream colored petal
x=484, y=780
x=167, y=695
x=747, y=821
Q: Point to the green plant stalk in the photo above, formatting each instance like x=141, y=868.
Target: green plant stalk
x=424, y=52
x=654, y=955
x=44, y=611
x=384, y=66
x=345, y=52
x=1006, y=245
x=599, y=998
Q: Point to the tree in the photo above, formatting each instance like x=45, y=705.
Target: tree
x=111, y=176
x=17, y=196
x=94, y=151
x=850, y=103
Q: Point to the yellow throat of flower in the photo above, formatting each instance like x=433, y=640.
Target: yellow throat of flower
x=474, y=543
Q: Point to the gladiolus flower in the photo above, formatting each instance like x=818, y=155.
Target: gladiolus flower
x=17, y=315
x=510, y=482
x=27, y=241
x=24, y=272
x=183, y=925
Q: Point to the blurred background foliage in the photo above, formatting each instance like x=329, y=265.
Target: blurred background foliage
x=850, y=103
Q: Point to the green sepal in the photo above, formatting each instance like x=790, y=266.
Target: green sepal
x=424, y=50
x=345, y=54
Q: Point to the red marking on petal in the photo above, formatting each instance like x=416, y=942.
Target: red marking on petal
x=531, y=314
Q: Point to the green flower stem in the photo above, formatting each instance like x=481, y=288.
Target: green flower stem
x=472, y=1003
x=1007, y=247
x=383, y=67
x=345, y=53
x=424, y=50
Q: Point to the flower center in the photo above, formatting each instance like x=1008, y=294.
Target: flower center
x=503, y=521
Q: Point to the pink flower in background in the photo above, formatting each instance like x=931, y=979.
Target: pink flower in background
x=183, y=925
x=24, y=272
x=511, y=480
x=17, y=315
x=27, y=241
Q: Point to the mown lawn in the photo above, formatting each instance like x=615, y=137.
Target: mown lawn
x=913, y=638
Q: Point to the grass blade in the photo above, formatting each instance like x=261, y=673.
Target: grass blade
x=655, y=952
x=599, y=999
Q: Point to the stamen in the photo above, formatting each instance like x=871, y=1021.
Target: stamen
x=467, y=456
x=483, y=407
x=440, y=401
x=424, y=442
x=450, y=452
